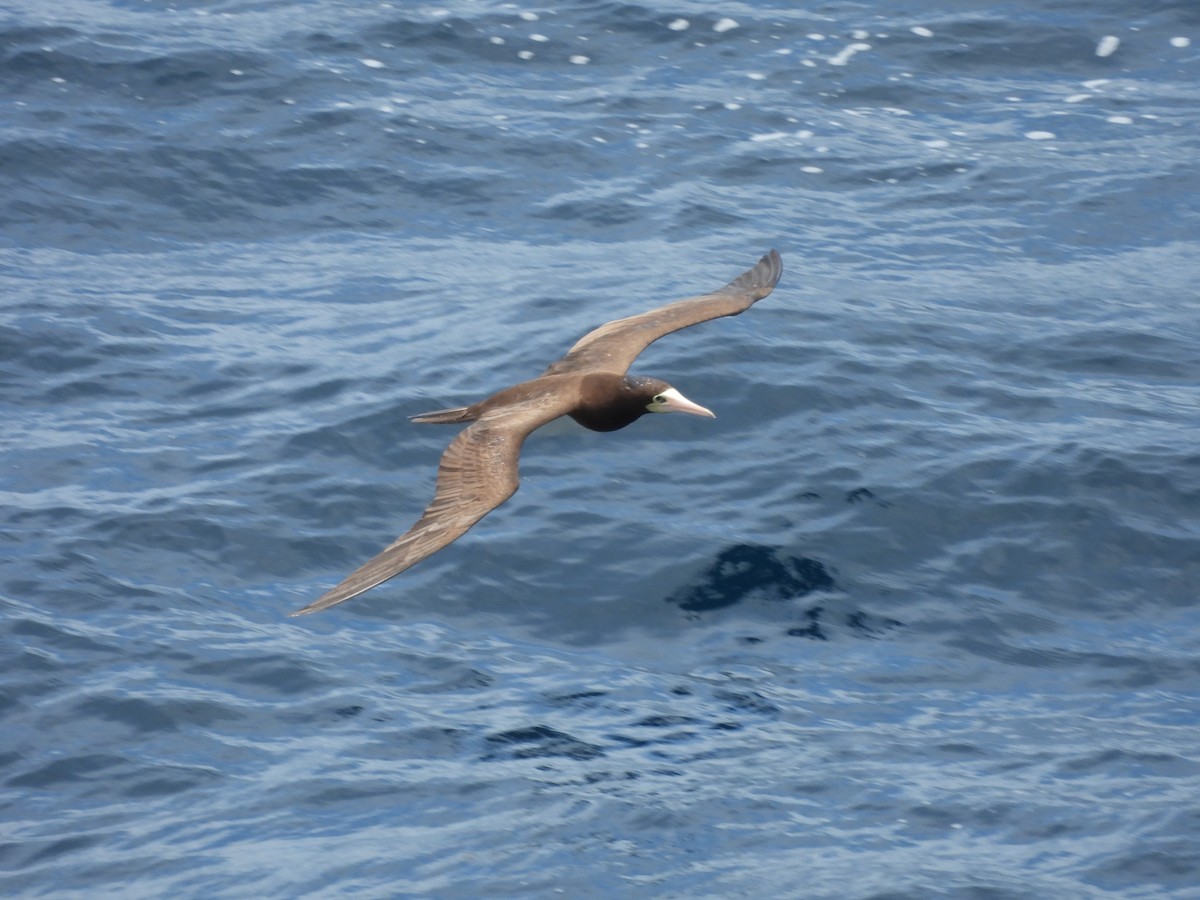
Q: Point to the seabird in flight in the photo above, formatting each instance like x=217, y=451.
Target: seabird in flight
x=478, y=471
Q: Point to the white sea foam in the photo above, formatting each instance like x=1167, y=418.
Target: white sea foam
x=847, y=53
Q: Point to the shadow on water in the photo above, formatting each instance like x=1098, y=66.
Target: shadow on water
x=754, y=572
x=747, y=571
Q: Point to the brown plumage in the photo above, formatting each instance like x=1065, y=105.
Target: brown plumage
x=478, y=471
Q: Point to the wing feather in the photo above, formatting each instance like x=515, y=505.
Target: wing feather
x=478, y=472
x=613, y=347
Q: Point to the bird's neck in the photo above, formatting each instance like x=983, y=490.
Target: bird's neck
x=607, y=403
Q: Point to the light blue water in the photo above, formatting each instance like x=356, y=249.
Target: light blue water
x=916, y=616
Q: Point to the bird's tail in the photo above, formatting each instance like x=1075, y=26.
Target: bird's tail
x=445, y=416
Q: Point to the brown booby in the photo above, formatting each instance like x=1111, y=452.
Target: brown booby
x=478, y=471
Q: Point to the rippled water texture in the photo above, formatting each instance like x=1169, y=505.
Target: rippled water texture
x=915, y=616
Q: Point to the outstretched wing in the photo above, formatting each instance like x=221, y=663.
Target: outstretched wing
x=477, y=473
x=614, y=347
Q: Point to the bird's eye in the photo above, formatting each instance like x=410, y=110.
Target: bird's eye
x=660, y=399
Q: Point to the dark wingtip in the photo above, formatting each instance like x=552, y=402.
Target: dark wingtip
x=339, y=594
x=761, y=279
x=444, y=416
x=307, y=610
x=772, y=262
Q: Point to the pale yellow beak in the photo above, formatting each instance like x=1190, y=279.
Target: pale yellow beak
x=673, y=401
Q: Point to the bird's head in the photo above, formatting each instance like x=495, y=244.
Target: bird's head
x=660, y=397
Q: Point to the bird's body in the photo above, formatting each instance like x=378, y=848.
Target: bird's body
x=478, y=471
x=602, y=401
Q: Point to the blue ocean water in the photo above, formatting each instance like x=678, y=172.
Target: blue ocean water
x=918, y=615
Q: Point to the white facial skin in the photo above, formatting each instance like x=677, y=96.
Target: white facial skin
x=671, y=400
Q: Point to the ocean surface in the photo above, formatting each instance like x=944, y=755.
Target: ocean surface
x=916, y=616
